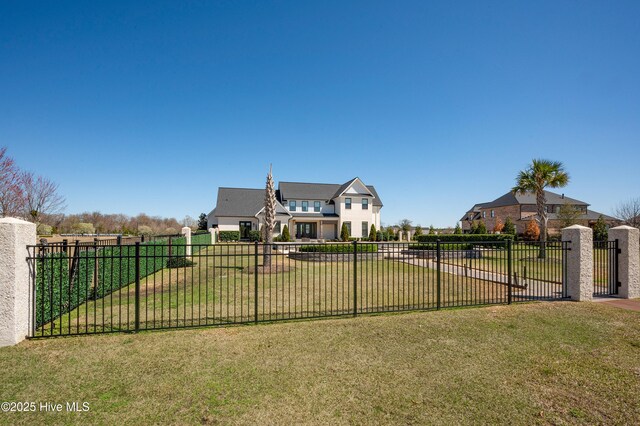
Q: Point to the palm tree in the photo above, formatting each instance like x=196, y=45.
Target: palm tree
x=269, y=220
x=538, y=176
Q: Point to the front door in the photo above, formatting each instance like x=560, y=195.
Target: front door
x=306, y=230
x=245, y=228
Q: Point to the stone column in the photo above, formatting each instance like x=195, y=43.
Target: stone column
x=15, y=283
x=186, y=231
x=579, y=262
x=212, y=231
x=628, y=260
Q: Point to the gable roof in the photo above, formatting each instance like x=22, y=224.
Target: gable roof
x=346, y=186
x=319, y=191
x=242, y=202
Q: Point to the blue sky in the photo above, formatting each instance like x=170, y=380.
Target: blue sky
x=151, y=106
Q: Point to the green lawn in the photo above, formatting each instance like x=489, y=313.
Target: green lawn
x=539, y=363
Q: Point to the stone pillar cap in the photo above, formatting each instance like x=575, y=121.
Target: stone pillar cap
x=623, y=227
x=13, y=220
x=577, y=227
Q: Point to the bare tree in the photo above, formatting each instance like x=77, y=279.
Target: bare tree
x=629, y=212
x=11, y=196
x=41, y=196
x=269, y=220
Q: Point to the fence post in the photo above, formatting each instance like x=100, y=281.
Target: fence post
x=509, y=270
x=16, y=300
x=579, y=262
x=255, y=279
x=355, y=278
x=65, y=244
x=438, y=303
x=119, y=240
x=186, y=231
x=137, y=286
x=628, y=239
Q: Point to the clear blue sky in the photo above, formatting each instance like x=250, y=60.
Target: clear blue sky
x=150, y=106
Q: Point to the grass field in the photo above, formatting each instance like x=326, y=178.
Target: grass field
x=539, y=363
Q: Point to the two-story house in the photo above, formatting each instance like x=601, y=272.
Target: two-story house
x=310, y=210
x=521, y=208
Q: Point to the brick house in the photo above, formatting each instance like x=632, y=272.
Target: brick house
x=522, y=207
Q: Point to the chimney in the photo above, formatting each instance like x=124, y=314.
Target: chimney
x=563, y=196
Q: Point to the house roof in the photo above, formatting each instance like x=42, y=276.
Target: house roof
x=590, y=215
x=511, y=199
x=242, y=202
x=319, y=191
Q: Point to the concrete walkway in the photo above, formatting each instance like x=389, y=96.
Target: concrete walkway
x=534, y=288
x=630, y=304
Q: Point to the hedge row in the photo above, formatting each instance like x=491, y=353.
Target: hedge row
x=227, y=236
x=463, y=238
x=339, y=248
x=116, y=269
x=55, y=296
x=444, y=246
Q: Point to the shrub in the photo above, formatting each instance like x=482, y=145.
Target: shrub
x=432, y=230
x=44, y=229
x=499, y=239
x=226, y=236
x=339, y=248
x=373, y=234
x=285, y=236
x=600, y=232
x=344, y=232
x=458, y=230
x=434, y=246
x=179, y=262
x=418, y=232
x=532, y=231
x=509, y=227
x=255, y=236
x=478, y=227
x=499, y=226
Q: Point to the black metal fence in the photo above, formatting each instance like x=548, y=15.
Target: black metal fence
x=156, y=285
x=605, y=268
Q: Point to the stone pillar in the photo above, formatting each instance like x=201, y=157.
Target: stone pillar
x=212, y=231
x=628, y=260
x=579, y=262
x=186, y=231
x=15, y=283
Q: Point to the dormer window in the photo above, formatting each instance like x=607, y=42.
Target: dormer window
x=347, y=203
x=365, y=204
x=292, y=205
x=316, y=206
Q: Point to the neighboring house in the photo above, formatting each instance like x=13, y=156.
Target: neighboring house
x=522, y=207
x=310, y=210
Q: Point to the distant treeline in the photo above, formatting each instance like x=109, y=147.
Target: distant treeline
x=101, y=223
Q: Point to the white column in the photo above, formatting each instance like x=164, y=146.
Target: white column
x=15, y=284
x=212, y=231
x=186, y=231
x=628, y=260
x=579, y=262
